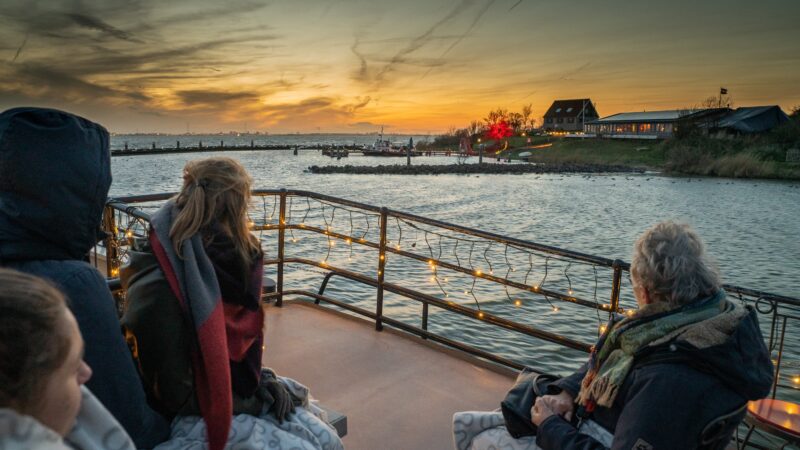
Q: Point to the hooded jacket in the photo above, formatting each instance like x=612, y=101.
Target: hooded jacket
x=674, y=390
x=55, y=173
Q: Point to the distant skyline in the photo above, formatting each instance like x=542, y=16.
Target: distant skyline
x=351, y=66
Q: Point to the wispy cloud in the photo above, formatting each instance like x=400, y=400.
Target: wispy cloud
x=94, y=23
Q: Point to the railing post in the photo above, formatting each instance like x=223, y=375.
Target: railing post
x=281, y=240
x=381, y=267
x=112, y=254
x=615, y=287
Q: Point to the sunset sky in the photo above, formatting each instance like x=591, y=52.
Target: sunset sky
x=415, y=66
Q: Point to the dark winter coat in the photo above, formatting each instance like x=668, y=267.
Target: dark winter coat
x=165, y=336
x=54, y=177
x=667, y=402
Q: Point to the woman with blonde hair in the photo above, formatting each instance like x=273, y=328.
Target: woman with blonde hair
x=194, y=317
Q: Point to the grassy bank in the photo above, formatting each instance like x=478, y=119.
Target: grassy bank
x=593, y=151
x=740, y=158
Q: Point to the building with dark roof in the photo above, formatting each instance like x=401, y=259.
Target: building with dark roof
x=663, y=124
x=751, y=119
x=569, y=115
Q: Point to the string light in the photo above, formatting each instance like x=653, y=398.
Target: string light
x=517, y=302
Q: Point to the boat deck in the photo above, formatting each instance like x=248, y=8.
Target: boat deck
x=397, y=391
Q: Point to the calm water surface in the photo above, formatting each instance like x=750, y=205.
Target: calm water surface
x=751, y=228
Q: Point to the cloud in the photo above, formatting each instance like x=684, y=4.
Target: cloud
x=19, y=50
x=93, y=23
x=214, y=98
x=402, y=56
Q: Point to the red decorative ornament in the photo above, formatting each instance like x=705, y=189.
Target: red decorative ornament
x=499, y=130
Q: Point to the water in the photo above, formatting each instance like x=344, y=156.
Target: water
x=750, y=227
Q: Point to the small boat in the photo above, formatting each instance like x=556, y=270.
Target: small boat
x=384, y=147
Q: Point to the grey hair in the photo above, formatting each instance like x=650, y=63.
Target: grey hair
x=670, y=261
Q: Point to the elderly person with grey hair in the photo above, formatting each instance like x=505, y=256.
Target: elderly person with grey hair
x=656, y=379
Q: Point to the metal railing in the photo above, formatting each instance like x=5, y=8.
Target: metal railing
x=544, y=279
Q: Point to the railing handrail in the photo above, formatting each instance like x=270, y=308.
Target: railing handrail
x=122, y=203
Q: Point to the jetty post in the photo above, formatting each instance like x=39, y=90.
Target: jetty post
x=221, y=144
x=408, y=150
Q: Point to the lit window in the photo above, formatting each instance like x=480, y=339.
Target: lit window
x=569, y=109
x=558, y=110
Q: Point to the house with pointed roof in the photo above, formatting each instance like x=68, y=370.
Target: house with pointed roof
x=569, y=115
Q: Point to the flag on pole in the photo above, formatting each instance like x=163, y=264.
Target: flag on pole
x=723, y=91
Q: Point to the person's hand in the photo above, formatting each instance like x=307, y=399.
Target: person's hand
x=541, y=410
x=562, y=404
x=283, y=400
x=275, y=397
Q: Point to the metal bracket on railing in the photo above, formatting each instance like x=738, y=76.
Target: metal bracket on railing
x=323, y=286
x=615, y=287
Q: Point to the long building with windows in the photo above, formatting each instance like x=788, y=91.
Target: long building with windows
x=649, y=124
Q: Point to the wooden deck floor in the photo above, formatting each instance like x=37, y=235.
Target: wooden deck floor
x=396, y=391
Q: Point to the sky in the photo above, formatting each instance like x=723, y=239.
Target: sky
x=412, y=66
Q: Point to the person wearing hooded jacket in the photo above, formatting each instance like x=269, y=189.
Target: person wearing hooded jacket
x=657, y=378
x=707, y=357
x=54, y=177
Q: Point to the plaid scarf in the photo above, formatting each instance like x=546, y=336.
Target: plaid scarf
x=613, y=356
x=194, y=283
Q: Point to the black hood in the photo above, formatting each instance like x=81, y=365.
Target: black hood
x=742, y=362
x=55, y=172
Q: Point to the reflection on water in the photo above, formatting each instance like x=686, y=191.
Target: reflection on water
x=750, y=227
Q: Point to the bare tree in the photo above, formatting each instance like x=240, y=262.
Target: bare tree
x=721, y=101
x=495, y=116
x=475, y=127
x=515, y=121
x=527, y=112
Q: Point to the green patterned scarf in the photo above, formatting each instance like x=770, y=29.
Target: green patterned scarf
x=613, y=356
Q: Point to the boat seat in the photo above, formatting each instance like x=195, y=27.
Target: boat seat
x=337, y=420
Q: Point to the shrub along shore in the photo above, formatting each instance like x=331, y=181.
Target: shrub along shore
x=402, y=169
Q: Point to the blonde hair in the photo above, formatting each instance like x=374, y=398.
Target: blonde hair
x=215, y=189
x=33, y=340
x=670, y=261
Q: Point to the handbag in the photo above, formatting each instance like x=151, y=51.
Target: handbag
x=516, y=407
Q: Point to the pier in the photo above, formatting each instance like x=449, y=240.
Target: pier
x=222, y=147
